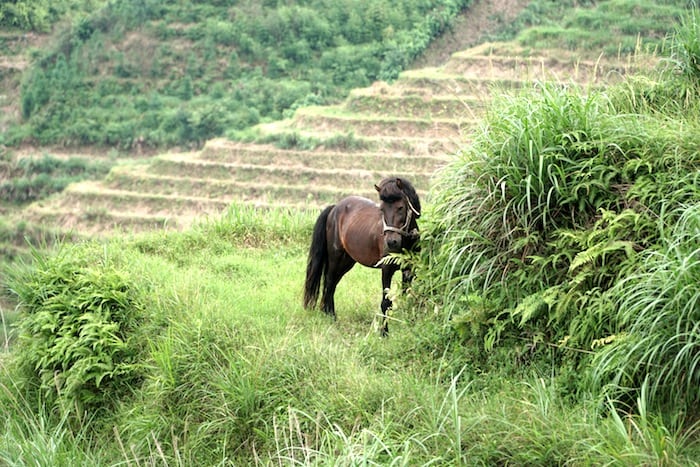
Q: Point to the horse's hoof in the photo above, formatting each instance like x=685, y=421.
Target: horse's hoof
x=330, y=314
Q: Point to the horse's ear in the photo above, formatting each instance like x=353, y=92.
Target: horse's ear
x=376, y=187
x=399, y=184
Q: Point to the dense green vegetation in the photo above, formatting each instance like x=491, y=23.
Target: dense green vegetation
x=553, y=319
x=135, y=74
x=570, y=226
x=40, y=15
x=613, y=27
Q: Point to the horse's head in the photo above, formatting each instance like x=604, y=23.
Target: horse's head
x=400, y=208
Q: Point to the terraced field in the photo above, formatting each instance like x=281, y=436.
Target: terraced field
x=408, y=128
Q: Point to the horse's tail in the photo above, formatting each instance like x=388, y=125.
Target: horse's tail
x=317, y=264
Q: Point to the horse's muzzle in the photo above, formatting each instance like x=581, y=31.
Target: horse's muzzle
x=392, y=242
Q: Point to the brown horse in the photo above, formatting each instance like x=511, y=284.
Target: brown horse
x=357, y=230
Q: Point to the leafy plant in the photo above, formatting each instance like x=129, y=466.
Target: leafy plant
x=657, y=341
x=75, y=338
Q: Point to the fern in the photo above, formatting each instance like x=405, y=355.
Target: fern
x=74, y=338
x=535, y=305
x=598, y=253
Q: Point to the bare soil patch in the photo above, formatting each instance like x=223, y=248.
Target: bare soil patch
x=481, y=18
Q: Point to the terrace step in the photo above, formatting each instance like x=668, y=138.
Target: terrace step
x=101, y=221
x=96, y=197
x=327, y=119
x=266, y=161
x=417, y=103
x=322, y=187
x=533, y=68
x=446, y=83
x=410, y=145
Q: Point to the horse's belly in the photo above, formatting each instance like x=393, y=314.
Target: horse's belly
x=361, y=232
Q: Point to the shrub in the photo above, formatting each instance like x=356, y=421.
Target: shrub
x=76, y=338
x=657, y=340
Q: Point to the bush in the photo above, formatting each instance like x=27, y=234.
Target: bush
x=76, y=346
x=657, y=340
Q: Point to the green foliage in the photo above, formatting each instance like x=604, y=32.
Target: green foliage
x=28, y=179
x=76, y=346
x=208, y=67
x=613, y=26
x=657, y=340
x=541, y=168
x=686, y=50
x=38, y=15
x=545, y=231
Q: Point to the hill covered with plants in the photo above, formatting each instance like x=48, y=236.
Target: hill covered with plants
x=136, y=75
x=552, y=320
x=149, y=73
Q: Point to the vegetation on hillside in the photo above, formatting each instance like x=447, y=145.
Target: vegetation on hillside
x=40, y=15
x=144, y=74
x=552, y=320
x=23, y=180
x=138, y=74
x=613, y=27
x=558, y=228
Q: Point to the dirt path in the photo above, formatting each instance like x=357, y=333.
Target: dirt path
x=481, y=18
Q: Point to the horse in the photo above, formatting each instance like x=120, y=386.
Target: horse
x=357, y=230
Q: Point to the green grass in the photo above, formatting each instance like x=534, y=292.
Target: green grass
x=569, y=228
x=614, y=27
x=232, y=369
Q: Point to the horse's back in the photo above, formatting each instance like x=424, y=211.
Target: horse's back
x=357, y=226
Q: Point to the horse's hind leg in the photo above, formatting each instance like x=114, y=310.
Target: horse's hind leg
x=338, y=266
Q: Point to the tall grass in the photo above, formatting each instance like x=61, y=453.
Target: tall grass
x=659, y=332
x=233, y=370
x=534, y=210
x=543, y=234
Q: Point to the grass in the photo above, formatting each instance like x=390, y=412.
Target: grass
x=616, y=27
x=229, y=368
x=234, y=370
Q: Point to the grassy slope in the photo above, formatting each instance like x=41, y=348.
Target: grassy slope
x=239, y=372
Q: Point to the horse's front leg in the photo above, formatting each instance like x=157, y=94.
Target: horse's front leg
x=387, y=273
x=407, y=277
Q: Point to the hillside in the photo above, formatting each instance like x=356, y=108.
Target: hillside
x=427, y=112
x=405, y=128
x=553, y=315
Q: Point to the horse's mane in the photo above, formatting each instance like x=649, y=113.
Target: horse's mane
x=394, y=188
